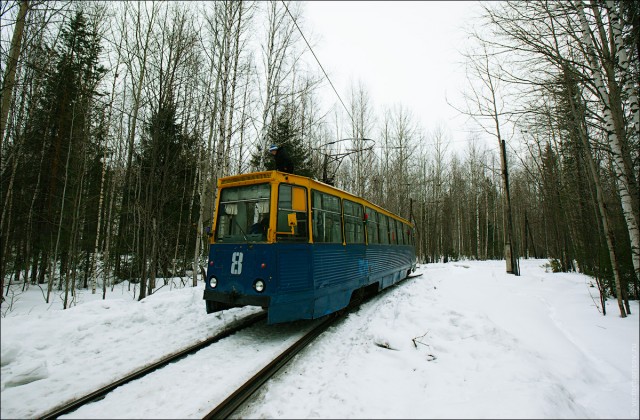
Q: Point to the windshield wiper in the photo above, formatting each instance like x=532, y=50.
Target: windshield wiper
x=241, y=231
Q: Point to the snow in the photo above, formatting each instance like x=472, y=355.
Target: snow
x=465, y=340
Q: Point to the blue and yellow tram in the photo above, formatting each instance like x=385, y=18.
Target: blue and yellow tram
x=300, y=248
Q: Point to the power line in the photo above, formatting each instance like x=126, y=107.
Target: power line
x=314, y=56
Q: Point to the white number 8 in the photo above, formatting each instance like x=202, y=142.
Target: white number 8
x=236, y=263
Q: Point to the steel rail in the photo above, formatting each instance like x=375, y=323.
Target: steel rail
x=232, y=328
x=233, y=401
x=227, y=407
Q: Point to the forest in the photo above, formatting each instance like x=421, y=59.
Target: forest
x=118, y=118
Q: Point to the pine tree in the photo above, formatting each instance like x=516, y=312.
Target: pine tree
x=58, y=138
x=165, y=167
x=283, y=133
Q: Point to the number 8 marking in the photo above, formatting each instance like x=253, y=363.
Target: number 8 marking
x=236, y=263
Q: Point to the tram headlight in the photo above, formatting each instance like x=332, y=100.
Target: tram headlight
x=258, y=285
x=213, y=282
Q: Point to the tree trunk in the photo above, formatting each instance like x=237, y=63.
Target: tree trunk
x=8, y=80
x=64, y=193
x=134, y=121
x=612, y=109
x=601, y=203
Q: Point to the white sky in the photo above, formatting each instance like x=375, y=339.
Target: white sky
x=405, y=53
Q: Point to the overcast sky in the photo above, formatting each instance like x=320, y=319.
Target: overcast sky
x=404, y=52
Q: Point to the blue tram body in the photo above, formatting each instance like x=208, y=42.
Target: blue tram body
x=300, y=248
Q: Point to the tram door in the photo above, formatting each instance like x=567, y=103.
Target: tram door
x=292, y=235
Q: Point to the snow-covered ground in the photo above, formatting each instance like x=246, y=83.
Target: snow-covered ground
x=465, y=340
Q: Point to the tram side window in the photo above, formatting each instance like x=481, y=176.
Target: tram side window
x=405, y=234
x=327, y=220
x=392, y=231
x=353, y=222
x=384, y=229
x=292, y=212
x=399, y=231
x=372, y=226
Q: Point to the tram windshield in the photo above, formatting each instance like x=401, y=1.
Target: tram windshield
x=243, y=214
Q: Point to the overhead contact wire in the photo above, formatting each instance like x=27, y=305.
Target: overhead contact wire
x=316, y=57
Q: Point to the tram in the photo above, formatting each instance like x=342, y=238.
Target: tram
x=300, y=248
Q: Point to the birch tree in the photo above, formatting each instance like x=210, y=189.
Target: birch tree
x=361, y=133
x=8, y=80
x=137, y=49
x=278, y=57
x=609, y=89
x=541, y=40
x=571, y=95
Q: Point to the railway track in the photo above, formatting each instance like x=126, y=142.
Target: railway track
x=227, y=407
x=232, y=328
x=231, y=403
x=234, y=400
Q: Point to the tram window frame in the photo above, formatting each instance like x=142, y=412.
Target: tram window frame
x=372, y=226
x=288, y=204
x=326, y=210
x=353, y=214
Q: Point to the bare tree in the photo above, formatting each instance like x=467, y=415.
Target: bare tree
x=596, y=178
x=361, y=129
x=278, y=58
x=609, y=88
x=8, y=81
x=484, y=106
x=542, y=43
x=137, y=50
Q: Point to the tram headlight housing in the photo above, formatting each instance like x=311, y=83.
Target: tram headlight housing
x=258, y=285
x=213, y=282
